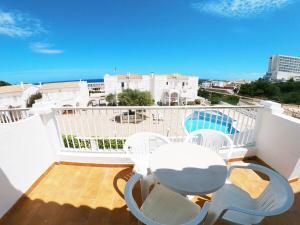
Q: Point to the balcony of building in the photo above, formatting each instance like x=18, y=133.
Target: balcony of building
x=68, y=166
x=90, y=194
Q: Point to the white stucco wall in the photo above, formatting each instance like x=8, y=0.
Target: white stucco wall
x=84, y=94
x=17, y=99
x=192, y=87
x=285, y=75
x=26, y=152
x=158, y=86
x=77, y=96
x=111, y=84
x=14, y=99
x=278, y=142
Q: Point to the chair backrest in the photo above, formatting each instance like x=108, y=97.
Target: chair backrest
x=138, y=213
x=277, y=197
x=213, y=140
x=141, y=145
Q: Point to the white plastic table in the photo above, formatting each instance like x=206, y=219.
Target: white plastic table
x=188, y=169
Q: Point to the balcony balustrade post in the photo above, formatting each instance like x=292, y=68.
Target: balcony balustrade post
x=47, y=116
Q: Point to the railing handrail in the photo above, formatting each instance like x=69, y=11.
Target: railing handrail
x=158, y=107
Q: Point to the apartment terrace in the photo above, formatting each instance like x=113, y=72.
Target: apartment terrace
x=67, y=165
x=81, y=194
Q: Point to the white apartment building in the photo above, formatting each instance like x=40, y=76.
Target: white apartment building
x=165, y=89
x=96, y=86
x=97, y=94
x=64, y=94
x=16, y=96
x=54, y=94
x=118, y=83
x=283, y=67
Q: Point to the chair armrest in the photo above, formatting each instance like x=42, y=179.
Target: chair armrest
x=131, y=203
x=247, y=211
x=200, y=216
x=222, y=210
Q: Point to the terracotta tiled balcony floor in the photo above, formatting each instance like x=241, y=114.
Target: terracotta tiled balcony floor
x=83, y=195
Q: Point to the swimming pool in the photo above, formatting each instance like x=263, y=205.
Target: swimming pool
x=209, y=119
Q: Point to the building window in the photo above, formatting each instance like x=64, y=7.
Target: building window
x=182, y=84
x=122, y=84
x=167, y=83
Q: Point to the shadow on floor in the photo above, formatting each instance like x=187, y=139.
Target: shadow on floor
x=38, y=212
x=291, y=217
x=29, y=211
x=124, y=175
x=260, y=162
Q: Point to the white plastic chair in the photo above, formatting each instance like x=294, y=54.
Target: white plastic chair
x=212, y=140
x=236, y=206
x=139, y=146
x=164, y=206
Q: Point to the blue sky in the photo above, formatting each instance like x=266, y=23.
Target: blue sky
x=216, y=39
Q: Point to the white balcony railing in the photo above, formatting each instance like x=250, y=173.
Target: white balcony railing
x=105, y=129
x=95, y=134
x=13, y=115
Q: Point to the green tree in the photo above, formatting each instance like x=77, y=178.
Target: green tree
x=231, y=99
x=202, y=93
x=284, y=92
x=272, y=90
x=131, y=97
x=31, y=100
x=215, y=99
x=111, y=99
x=4, y=83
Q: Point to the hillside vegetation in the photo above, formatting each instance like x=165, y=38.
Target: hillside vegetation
x=4, y=83
x=217, y=98
x=284, y=92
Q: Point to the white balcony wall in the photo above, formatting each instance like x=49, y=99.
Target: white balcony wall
x=278, y=141
x=26, y=153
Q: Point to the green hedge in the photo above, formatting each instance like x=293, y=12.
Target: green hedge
x=71, y=141
x=110, y=143
x=216, y=98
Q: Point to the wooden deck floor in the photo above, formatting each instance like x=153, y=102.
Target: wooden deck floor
x=83, y=195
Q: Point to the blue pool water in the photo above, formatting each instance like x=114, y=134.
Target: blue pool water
x=209, y=119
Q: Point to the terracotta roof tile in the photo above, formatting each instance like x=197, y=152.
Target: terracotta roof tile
x=14, y=88
x=177, y=77
x=51, y=86
x=129, y=76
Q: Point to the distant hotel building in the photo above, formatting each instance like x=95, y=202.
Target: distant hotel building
x=166, y=89
x=283, y=67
